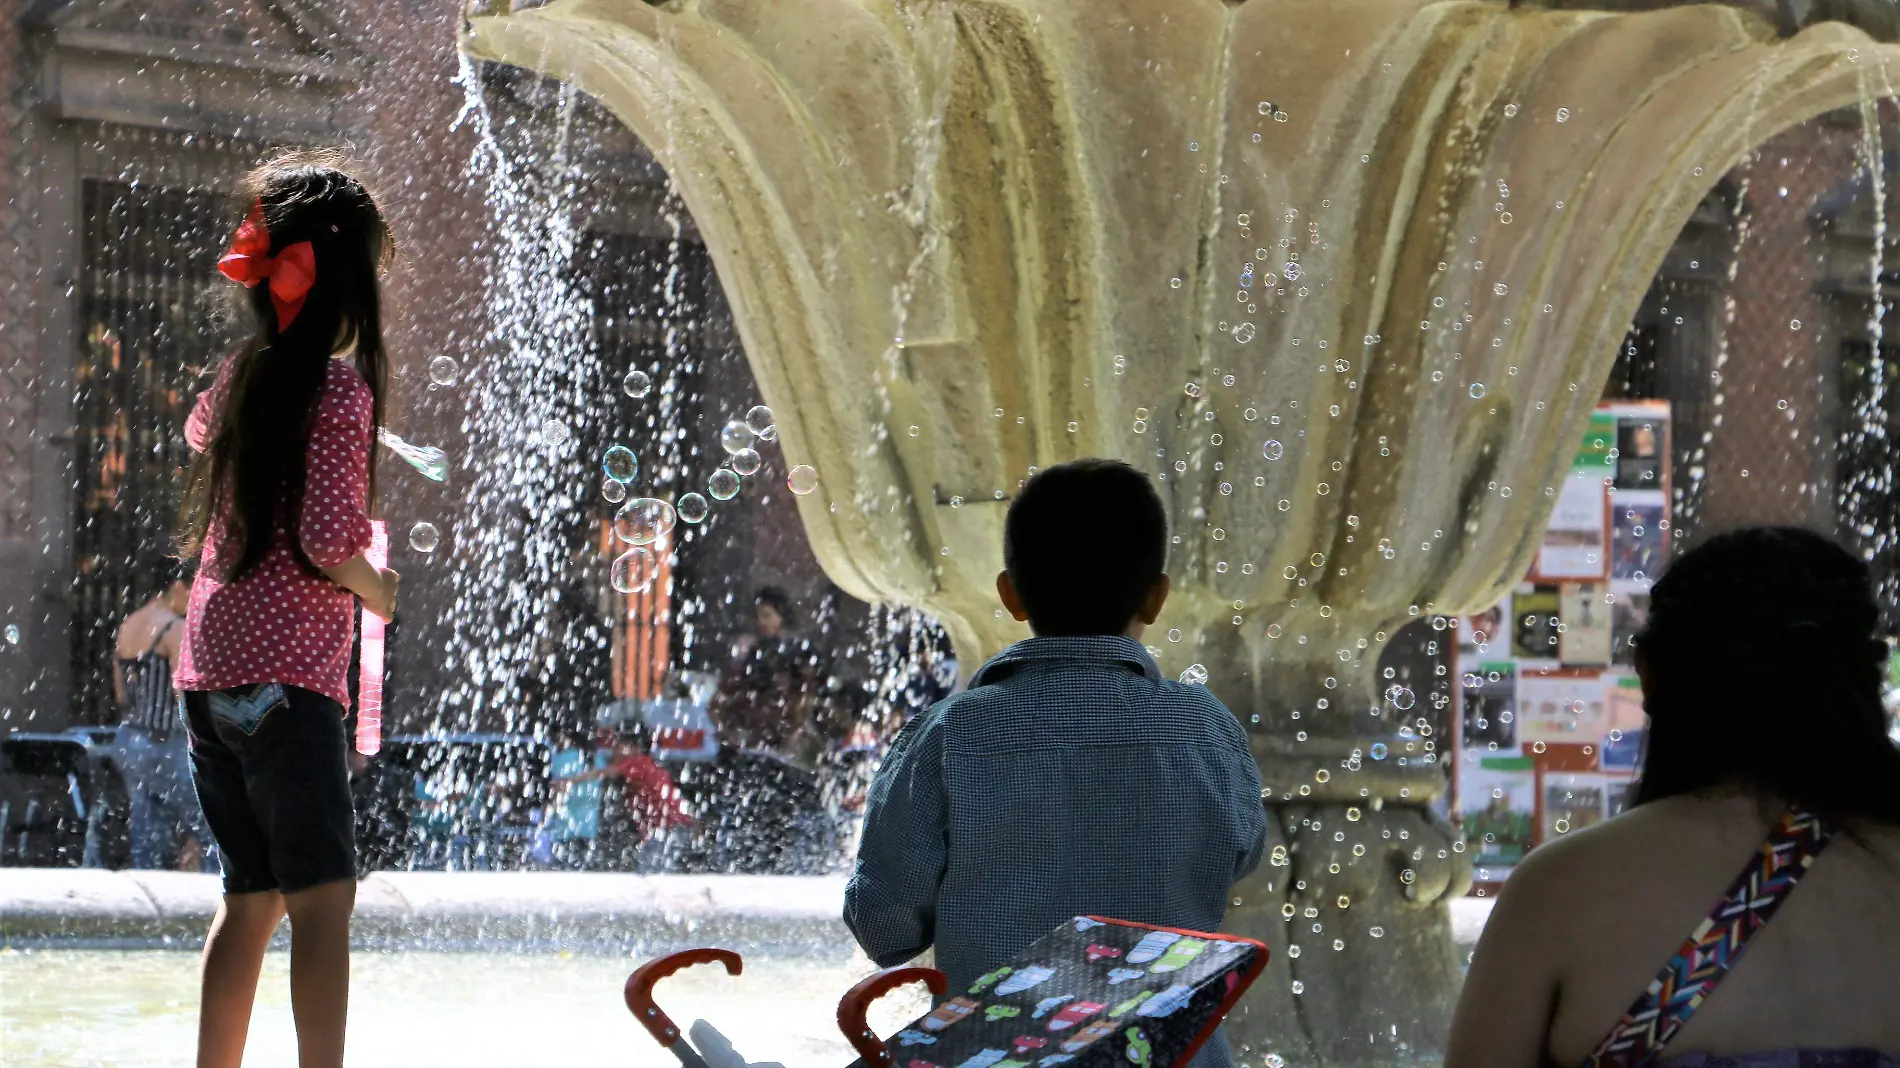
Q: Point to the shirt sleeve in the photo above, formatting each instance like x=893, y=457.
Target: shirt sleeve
x=334, y=523
x=890, y=904
x=1249, y=814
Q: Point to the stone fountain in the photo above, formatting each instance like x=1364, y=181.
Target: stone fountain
x=1346, y=275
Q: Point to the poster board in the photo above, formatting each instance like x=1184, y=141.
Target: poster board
x=1550, y=711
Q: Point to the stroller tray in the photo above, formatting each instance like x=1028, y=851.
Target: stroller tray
x=1093, y=992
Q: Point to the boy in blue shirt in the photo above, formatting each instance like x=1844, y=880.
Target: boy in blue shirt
x=1070, y=778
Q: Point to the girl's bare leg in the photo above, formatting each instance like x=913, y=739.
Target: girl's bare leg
x=234, y=955
x=320, y=970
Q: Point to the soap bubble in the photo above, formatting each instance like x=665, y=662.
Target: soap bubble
x=723, y=485
x=802, y=479
x=644, y=520
x=692, y=507
x=432, y=463
x=1563, y=114
x=13, y=634
x=423, y=537
x=1244, y=333
x=1174, y=283
x=1378, y=750
x=442, y=370
x=759, y=419
x=1192, y=389
x=770, y=433
x=555, y=433
x=1195, y=675
x=735, y=437
x=1291, y=271
x=746, y=461
x=620, y=464
x=1400, y=697
x=1273, y=450
x=615, y=492
x=634, y=570
x=637, y=383
x=1477, y=391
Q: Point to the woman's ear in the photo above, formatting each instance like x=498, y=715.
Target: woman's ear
x=1012, y=601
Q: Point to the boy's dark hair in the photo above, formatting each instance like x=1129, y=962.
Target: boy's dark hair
x=1084, y=542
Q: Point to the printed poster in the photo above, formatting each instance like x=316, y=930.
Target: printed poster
x=1534, y=622
x=1642, y=445
x=1585, y=635
x=1565, y=707
x=1499, y=795
x=1576, y=541
x=1629, y=611
x=1639, y=538
x=1624, y=723
x=1573, y=801
x=1490, y=697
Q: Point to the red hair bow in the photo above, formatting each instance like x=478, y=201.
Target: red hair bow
x=291, y=272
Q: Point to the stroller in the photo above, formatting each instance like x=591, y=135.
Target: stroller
x=1094, y=992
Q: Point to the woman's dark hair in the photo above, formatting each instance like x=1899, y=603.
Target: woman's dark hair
x=252, y=470
x=1762, y=670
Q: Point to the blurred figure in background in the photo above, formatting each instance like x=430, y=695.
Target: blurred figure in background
x=149, y=748
x=767, y=690
x=635, y=832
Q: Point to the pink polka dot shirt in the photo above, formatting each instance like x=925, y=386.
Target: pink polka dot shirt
x=279, y=623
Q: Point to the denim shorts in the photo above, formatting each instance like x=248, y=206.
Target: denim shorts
x=270, y=763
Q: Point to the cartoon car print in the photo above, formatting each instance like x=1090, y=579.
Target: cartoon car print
x=1049, y=1005
x=1151, y=946
x=1075, y=1014
x=1024, y=979
x=1028, y=1043
x=984, y=982
x=950, y=1012
x=1228, y=947
x=1140, y=1050
x=1054, y=1059
x=1179, y=955
x=1096, y=953
x=1083, y=923
x=1166, y=1002
x=985, y=1059
x=1001, y=1012
x=1130, y=1005
x=915, y=1038
x=1118, y=976
x=919, y=1062
x=1088, y=1036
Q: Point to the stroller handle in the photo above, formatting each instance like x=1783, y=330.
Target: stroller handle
x=640, y=985
x=856, y=1001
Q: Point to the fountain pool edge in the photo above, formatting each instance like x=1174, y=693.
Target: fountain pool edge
x=486, y=911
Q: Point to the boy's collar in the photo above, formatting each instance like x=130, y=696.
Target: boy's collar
x=1112, y=648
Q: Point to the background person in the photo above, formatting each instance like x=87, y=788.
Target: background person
x=163, y=819
x=649, y=808
x=278, y=508
x=1767, y=750
x=766, y=692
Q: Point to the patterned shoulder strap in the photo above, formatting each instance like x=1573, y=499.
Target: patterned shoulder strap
x=1708, y=954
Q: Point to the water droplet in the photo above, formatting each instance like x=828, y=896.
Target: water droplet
x=746, y=461
x=644, y=520
x=13, y=634
x=692, y=507
x=1408, y=876
x=1563, y=114
x=634, y=570
x=423, y=537
x=723, y=485
x=1477, y=391
x=1299, y=987
x=1400, y=697
x=735, y=436
x=1273, y=450
x=802, y=479
x=758, y=419
x=620, y=464
x=637, y=384
x=1195, y=675
x=443, y=369
x=1244, y=333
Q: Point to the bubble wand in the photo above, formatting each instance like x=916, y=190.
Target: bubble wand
x=369, y=690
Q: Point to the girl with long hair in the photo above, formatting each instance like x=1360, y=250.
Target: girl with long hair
x=277, y=512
